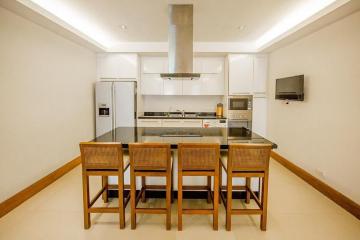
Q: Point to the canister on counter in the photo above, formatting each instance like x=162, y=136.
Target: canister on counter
x=219, y=110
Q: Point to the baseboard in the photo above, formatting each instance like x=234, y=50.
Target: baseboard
x=20, y=197
x=339, y=198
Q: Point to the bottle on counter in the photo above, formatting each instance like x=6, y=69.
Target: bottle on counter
x=219, y=110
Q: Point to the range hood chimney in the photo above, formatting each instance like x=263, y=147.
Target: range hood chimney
x=180, y=38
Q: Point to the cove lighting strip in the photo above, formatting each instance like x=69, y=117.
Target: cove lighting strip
x=76, y=21
x=61, y=13
x=296, y=17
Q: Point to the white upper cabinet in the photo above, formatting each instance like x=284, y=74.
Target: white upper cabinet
x=192, y=87
x=248, y=74
x=152, y=84
x=208, y=65
x=241, y=74
x=260, y=74
x=154, y=65
x=208, y=84
x=211, y=82
x=173, y=87
x=117, y=65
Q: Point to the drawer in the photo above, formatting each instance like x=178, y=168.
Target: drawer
x=172, y=123
x=149, y=122
x=192, y=123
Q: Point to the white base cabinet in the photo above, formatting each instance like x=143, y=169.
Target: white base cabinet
x=172, y=123
x=169, y=123
x=149, y=122
x=192, y=123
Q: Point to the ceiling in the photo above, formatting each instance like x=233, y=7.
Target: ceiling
x=214, y=20
x=114, y=22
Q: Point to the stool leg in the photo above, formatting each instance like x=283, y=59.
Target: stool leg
x=104, y=183
x=143, y=185
x=121, y=200
x=220, y=182
x=228, y=200
x=172, y=184
x=209, y=189
x=264, y=199
x=248, y=185
x=133, y=198
x=216, y=200
x=86, y=200
x=168, y=200
x=180, y=200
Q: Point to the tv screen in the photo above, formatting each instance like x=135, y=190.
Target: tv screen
x=290, y=88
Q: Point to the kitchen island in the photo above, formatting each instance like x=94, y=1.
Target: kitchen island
x=223, y=136
x=173, y=136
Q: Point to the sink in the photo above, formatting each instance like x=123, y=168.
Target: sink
x=175, y=115
x=190, y=115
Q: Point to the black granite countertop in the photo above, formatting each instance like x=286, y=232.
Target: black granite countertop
x=223, y=136
x=178, y=115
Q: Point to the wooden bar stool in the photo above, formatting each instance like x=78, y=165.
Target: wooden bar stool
x=103, y=159
x=198, y=159
x=247, y=161
x=150, y=160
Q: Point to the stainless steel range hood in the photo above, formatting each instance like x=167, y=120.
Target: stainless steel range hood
x=180, y=40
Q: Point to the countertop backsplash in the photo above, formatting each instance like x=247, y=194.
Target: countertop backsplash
x=187, y=103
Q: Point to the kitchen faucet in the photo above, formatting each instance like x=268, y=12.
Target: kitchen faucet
x=182, y=112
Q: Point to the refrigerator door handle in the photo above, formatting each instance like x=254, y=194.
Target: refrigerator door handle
x=135, y=103
x=113, y=104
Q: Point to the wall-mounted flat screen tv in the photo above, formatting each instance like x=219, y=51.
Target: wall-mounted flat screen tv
x=290, y=88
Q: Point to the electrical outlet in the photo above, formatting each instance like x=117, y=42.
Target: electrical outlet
x=320, y=173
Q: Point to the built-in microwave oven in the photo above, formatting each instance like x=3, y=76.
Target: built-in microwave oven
x=240, y=107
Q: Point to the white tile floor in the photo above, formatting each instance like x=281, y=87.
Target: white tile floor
x=296, y=211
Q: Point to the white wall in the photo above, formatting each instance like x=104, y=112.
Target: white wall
x=322, y=134
x=46, y=99
x=187, y=103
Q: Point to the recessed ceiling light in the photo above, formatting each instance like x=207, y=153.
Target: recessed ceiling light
x=123, y=27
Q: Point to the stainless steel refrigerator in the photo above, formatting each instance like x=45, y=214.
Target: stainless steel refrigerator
x=115, y=105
